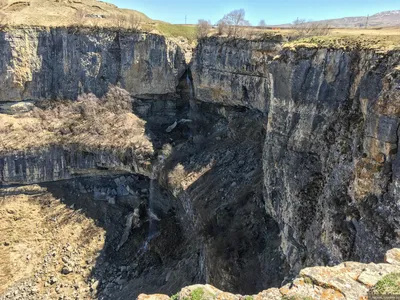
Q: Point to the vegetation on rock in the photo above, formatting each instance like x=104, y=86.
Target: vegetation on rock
x=388, y=285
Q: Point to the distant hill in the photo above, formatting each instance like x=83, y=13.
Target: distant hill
x=382, y=19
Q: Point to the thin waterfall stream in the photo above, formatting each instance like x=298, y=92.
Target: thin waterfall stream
x=152, y=217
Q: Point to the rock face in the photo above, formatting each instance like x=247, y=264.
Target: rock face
x=345, y=281
x=61, y=63
x=330, y=153
x=234, y=72
x=59, y=163
x=278, y=159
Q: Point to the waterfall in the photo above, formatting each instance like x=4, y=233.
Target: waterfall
x=150, y=210
x=152, y=217
x=190, y=84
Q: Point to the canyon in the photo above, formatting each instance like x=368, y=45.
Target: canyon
x=237, y=163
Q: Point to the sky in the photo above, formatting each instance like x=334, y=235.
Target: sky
x=273, y=12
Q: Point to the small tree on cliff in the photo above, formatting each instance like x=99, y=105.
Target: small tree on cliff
x=120, y=21
x=304, y=28
x=203, y=28
x=222, y=27
x=133, y=22
x=235, y=21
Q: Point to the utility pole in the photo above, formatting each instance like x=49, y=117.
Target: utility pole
x=366, y=24
x=185, y=19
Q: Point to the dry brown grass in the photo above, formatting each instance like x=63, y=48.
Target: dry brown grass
x=379, y=39
x=64, y=13
x=303, y=29
x=181, y=179
x=3, y=19
x=101, y=14
x=79, y=16
x=32, y=226
x=106, y=123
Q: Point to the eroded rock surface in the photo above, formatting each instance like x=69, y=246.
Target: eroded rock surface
x=66, y=62
x=330, y=150
x=270, y=159
x=348, y=280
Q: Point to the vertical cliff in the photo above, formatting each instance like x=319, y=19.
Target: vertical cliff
x=40, y=64
x=267, y=159
x=329, y=155
x=61, y=63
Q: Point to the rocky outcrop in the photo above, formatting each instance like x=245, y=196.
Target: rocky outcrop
x=234, y=72
x=62, y=63
x=60, y=163
x=330, y=155
x=330, y=151
x=348, y=280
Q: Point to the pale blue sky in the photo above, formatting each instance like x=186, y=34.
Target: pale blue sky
x=273, y=12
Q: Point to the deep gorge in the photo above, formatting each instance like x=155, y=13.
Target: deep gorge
x=279, y=159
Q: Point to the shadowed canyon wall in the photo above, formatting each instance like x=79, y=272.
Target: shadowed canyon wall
x=279, y=158
x=330, y=150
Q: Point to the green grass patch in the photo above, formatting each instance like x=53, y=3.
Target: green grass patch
x=175, y=297
x=197, y=294
x=388, y=285
x=173, y=30
x=248, y=298
x=308, y=280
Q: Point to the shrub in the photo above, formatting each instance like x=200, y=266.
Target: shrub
x=222, y=27
x=177, y=176
x=120, y=21
x=303, y=28
x=133, y=22
x=203, y=28
x=175, y=297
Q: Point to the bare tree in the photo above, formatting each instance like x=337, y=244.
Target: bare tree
x=303, y=28
x=262, y=23
x=235, y=20
x=222, y=27
x=133, y=22
x=203, y=28
x=120, y=20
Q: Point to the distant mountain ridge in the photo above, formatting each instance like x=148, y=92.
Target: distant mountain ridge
x=382, y=19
